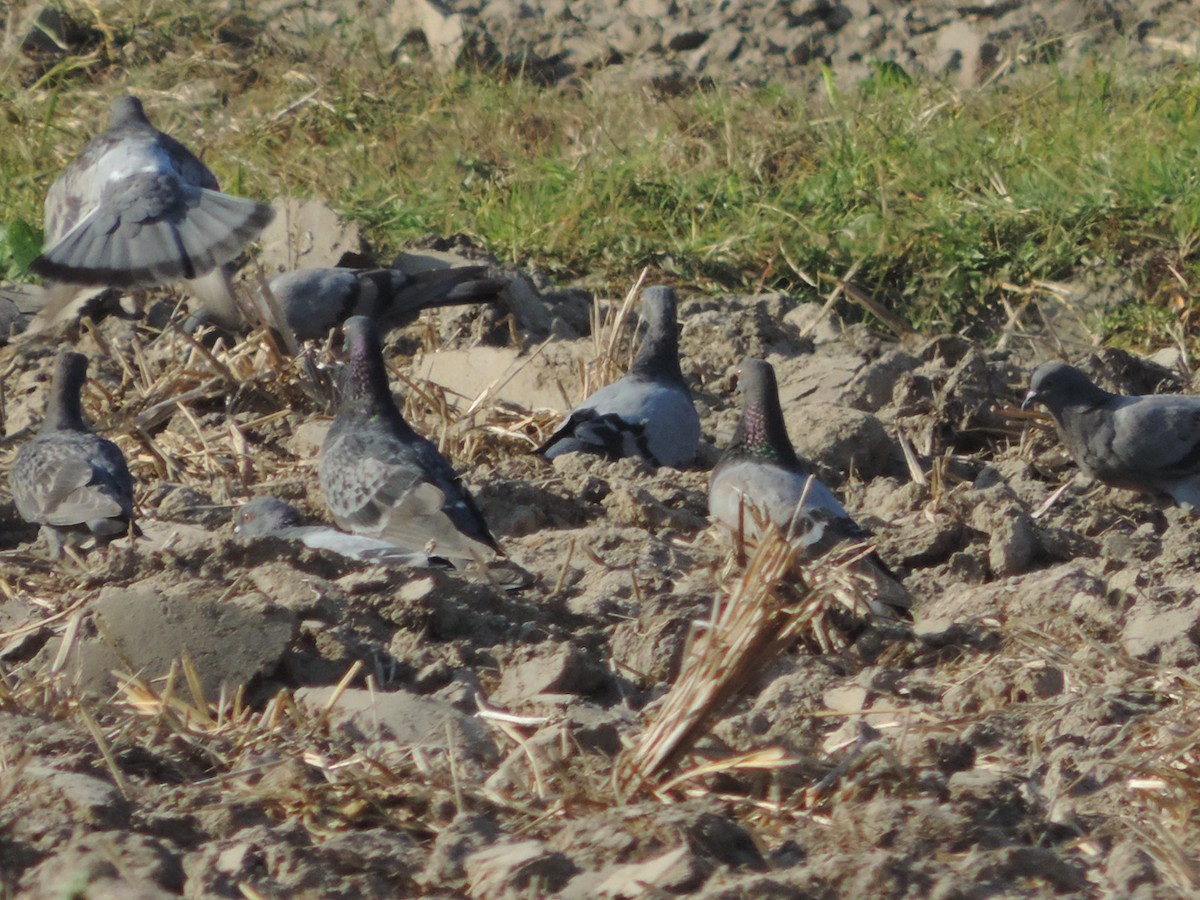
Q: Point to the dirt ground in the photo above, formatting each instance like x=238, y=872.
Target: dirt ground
x=192, y=715
x=407, y=732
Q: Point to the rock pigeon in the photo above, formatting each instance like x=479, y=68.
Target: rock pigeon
x=314, y=301
x=137, y=209
x=382, y=479
x=73, y=483
x=1148, y=443
x=648, y=413
x=272, y=517
x=761, y=479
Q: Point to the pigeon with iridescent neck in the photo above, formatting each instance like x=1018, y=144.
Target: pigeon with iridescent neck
x=72, y=482
x=649, y=413
x=760, y=479
x=383, y=480
x=138, y=209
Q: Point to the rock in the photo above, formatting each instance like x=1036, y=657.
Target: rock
x=146, y=628
x=443, y=31
x=308, y=437
x=1014, y=544
x=468, y=833
x=84, y=798
x=872, y=387
x=550, y=668
x=843, y=439
x=677, y=871
x=958, y=51
x=392, y=856
x=407, y=720
x=512, y=376
x=513, y=869
x=308, y=234
x=1162, y=634
x=108, y=865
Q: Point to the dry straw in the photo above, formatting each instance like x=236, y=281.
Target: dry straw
x=757, y=615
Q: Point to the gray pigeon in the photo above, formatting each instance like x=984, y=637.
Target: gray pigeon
x=761, y=479
x=1149, y=443
x=272, y=517
x=137, y=209
x=315, y=301
x=382, y=479
x=648, y=413
x=73, y=483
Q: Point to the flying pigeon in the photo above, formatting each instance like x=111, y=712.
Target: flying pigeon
x=314, y=301
x=137, y=209
x=648, y=413
x=760, y=479
x=272, y=517
x=383, y=480
x=73, y=483
x=1149, y=443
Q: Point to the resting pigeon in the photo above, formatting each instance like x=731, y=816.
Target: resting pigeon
x=1149, y=444
x=314, y=301
x=73, y=483
x=760, y=479
x=272, y=517
x=137, y=209
x=648, y=413
x=382, y=479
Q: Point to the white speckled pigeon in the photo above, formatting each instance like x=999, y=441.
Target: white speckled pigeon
x=1148, y=443
x=314, y=301
x=382, y=479
x=760, y=479
x=73, y=483
x=272, y=517
x=648, y=413
x=137, y=209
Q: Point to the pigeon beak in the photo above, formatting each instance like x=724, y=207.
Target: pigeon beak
x=1030, y=399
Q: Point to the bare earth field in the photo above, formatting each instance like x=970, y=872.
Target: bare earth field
x=188, y=714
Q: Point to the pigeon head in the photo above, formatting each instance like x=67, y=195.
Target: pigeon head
x=761, y=432
x=265, y=515
x=659, y=353
x=64, y=408
x=127, y=110
x=1058, y=386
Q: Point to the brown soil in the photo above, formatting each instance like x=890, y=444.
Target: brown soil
x=405, y=732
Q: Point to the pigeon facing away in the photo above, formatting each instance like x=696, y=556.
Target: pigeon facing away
x=272, y=517
x=137, y=209
x=383, y=480
x=760, y=479
x=315, y=301
x=73, y=483
x=648, y=413
x=1149, y=443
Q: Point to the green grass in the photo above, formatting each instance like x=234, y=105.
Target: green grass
x=946, y=202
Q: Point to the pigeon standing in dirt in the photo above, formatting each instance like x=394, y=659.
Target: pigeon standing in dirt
x=73, y=483
x=648, y=413
x=1149, y=443
x=760, y=479
x=315, y=301
x=137, y=209
x=383, y=480
x=272, y=517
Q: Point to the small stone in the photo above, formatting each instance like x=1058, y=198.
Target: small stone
x=511, y=870
x=553, y=668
